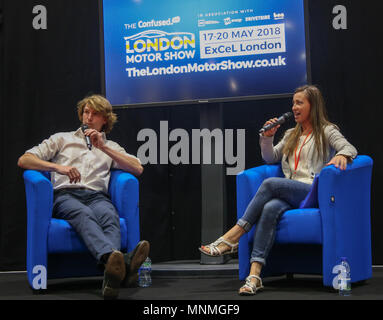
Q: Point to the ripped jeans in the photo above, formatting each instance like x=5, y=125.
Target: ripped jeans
x=273, y=198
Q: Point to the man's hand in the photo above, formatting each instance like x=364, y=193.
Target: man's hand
x=32, y=162
x=339, y=161
x=95, y=138
x=125, y=162
x=72, y=173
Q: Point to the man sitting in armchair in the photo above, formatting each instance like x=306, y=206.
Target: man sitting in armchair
x=80, y=162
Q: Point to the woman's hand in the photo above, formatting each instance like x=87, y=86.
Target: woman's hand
x=272, y=131
x=339, y=161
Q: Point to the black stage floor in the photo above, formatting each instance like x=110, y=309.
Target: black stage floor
x=191, y=281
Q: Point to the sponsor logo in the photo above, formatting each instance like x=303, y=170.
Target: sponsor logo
x=203, y=23
x=159, y=23
x=257, y=18
x=153, y=23
x=156, y=40
x=279, y=16
x=229, y=20
x=157, y=45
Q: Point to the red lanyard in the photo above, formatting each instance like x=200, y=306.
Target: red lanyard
x=296, y=161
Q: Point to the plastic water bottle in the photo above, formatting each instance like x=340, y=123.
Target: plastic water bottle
x=145, y=279
x=345, y=278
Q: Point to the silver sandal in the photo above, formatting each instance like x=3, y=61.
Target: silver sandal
x=215, y=252
x=252, y=286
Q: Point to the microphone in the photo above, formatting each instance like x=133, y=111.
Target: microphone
x=281, y=119
x=87, y=139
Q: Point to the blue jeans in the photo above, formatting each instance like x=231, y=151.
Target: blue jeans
x=273, y=198
x=93, y=216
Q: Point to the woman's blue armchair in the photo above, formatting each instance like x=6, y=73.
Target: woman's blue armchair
x=312, y=240
x=53, y=243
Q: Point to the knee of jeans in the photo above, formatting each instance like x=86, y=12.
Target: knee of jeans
x=270, y=182
x=88, y=214
x=267, y=184
x=110, y=220
x=115, y=220
x=272, y=210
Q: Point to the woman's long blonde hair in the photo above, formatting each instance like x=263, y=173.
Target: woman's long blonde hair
x=318, y=120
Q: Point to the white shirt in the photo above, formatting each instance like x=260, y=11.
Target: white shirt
x=70, y=149
x=302, y=173
x=337, y=144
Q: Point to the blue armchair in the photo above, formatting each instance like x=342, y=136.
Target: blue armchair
x=312, y=240
x=54, y=244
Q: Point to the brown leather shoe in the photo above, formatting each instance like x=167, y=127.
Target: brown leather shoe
x=113, y=275
x=133, y=261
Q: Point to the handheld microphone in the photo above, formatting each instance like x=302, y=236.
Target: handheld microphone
x=87, y=139
x=281, y=119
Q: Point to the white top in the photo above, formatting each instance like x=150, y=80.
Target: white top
x=70, y=149
x=337, y=144
x=302, y=173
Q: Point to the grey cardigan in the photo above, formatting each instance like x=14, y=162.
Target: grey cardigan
x=337, y=145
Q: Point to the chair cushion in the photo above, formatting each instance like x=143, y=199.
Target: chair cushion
x=62, y=238
x=300, y=226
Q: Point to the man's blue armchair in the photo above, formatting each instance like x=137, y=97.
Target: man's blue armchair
x=312, y=240
x=54, y=244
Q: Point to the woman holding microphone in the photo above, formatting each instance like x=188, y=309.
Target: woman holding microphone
x=303, y=152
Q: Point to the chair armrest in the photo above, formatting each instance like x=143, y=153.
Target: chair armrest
x=39, y=198
x=344, y=202
x=124, y=193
